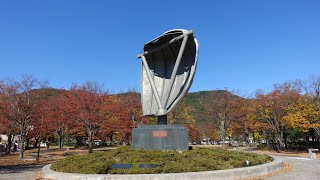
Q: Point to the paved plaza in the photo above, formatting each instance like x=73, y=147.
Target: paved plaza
x=302, y=168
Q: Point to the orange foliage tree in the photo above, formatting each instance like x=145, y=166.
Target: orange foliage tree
x=182, y=114
x=271, y=108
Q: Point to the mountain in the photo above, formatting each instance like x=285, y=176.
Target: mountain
x=49, y=92
x=195, y=101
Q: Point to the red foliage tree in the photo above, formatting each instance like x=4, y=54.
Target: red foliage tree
x=58, y=116
x=21, y=102
x=86, y=102
x=193, y=132
x=122, y=112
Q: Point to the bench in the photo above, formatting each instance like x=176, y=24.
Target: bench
x=312, y=153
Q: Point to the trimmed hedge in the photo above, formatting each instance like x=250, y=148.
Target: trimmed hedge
x=198, y=159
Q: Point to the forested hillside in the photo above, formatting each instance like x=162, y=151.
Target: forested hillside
x=197, y=100
x=290, y=112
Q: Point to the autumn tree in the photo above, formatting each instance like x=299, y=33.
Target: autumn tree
x=208, y=130
x=242, y=124
x=221, y=109
x=311, y=88
x=6, y=126
x=86, y=102
x=182, y=114
x=21, y=104
x=58, y=116
x=193, y=132
x=305, y=114
x=272, y=108
x=123, y=113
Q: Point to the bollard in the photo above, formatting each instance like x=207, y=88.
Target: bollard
x=312, y=153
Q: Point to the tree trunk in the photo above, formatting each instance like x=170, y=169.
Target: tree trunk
x=22, y=141
x=60, y=134
x=279, y=141
x=36, y=143
x=90, y=149
x=307, y=141
x=78, y=143
x=222, y=130
x=246, y=136
x=223, y=141
x=254, y=138
x=60, y=138
x=27, y=144
x=285, y=140
x=268, y=142
x=111, y=138
x=127, y=138
x=222, y=137
x=278, y=134
x=8, y=151
x=48, y=144
x=38, y=152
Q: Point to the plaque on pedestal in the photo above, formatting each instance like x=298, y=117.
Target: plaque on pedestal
x=160, y=137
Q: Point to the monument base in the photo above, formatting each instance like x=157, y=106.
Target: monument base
x=160, y=137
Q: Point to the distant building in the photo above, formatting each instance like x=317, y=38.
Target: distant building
x=4, y=139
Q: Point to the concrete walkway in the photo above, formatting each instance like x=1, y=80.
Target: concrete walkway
x=26, y=172
x=302, y=168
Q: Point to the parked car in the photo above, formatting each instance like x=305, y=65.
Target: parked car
x=97, y=142
x=43, y=144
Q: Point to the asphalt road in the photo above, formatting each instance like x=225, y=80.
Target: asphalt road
x=26, y=172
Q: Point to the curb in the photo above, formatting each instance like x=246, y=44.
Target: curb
x=237, y=173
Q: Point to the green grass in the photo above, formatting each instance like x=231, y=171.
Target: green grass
x=198, y=159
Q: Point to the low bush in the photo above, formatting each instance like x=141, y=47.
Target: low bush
x=265, y=147
x=198, y=159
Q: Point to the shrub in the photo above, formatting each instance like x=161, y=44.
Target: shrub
x=198, y=159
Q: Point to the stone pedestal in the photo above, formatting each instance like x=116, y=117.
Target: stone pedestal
x=160, y=137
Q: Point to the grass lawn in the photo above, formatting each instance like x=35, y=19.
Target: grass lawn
x=198, y=159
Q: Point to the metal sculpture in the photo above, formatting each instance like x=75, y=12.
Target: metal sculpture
x=168, y=67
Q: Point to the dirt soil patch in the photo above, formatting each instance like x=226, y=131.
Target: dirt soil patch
x=46, y=156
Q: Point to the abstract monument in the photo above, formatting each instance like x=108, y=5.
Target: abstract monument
x=168, y=67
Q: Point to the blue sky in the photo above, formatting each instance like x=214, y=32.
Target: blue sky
x=244, y=45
